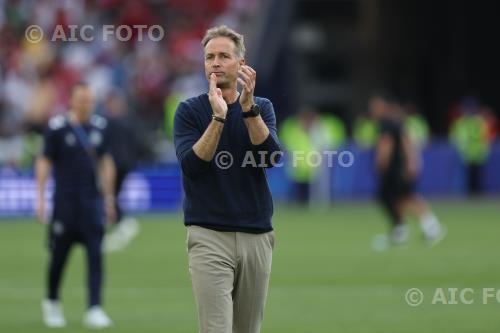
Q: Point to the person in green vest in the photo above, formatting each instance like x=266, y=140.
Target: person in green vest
x=416, y=126
x=306, y=133
x=469, y=134
x=365, y=132
x=169, y=106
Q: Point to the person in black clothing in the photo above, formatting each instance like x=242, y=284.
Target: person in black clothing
x=121, y=137
x=224, y=140
x=398, y=165
x=75, y=148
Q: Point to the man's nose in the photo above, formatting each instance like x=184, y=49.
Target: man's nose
x=216, y=63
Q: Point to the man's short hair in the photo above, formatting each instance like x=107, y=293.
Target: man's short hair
x=225, y=31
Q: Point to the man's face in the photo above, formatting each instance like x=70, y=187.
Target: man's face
x=221, y=59
x=82, y=102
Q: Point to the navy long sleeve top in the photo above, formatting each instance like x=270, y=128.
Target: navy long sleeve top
x=230, y=192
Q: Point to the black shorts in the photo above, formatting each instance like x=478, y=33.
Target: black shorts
x=397, y=188
x=76, y=219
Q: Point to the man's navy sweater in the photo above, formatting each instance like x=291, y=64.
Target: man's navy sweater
x=232, y=199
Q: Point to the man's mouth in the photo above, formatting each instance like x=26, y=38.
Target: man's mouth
x=218, y=73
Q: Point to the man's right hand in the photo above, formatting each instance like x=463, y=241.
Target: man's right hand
x=219, y=105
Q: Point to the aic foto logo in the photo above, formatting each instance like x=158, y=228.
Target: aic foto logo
x=88, y=33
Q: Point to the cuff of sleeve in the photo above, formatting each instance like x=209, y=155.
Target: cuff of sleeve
x=269, y=144
x=272, y=151
x=192, y=164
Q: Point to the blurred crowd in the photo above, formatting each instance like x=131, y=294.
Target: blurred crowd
x=35, y=78
x=152, y=76
x=472, y=130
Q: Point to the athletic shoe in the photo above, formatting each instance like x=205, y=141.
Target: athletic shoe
x=53, y=316
x=96, y=318
x=380, y=243
x=436, y=236
x=399, y=234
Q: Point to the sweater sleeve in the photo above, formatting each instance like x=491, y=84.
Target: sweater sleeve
x=271, y=146
x=186, y=134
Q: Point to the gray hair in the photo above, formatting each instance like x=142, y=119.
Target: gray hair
x=225, y=31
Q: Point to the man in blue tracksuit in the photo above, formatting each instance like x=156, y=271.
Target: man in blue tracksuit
x=224, y=141
x=76, y=149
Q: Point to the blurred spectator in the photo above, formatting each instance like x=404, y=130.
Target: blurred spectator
x=123, y=145
x=491, y=122
x=416, y=126
x=305, y=134
x=471, y=136
x=365, y=132
x=35, y=77
x=398, y=166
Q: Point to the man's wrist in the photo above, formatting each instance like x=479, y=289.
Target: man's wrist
x=219, y=119
x=247, y=106
x=253, y=112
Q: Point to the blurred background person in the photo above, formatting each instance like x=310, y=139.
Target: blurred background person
x=416, y=126
x=123, y=145
x=365, y=132
x=307, y=134
x=472, y=134
x=398, y=166
x=75, y=149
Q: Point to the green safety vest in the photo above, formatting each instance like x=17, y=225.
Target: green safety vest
x=469, y=134
x=169, y=106
x=417, y=130
x=329, y=134
x=365, y=132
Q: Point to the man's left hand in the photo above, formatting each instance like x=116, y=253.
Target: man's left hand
x=247, y=81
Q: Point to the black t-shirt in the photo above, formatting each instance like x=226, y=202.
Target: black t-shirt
x=74, y=151
x=396, y=166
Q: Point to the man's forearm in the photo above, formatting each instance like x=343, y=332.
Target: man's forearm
x=206, y=146
x=409, y=151
x=383, y=152
x=42, y=170
x=107, y=175
x=257, y=130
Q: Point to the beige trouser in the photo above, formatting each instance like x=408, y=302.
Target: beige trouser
x=230, y=276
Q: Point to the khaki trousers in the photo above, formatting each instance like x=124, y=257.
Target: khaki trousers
x=230, y=276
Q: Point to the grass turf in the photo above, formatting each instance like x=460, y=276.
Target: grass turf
x=325, y=276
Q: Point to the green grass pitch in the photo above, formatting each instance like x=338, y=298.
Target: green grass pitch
x=325, y=276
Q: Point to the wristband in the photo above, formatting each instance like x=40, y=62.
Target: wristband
x=219, y=119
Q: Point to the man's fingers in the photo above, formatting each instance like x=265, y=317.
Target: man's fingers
x=249, y=76
x=245, y=76
x=250, y=71
x=243, y=84
x=213, y=83
x=249, y=82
